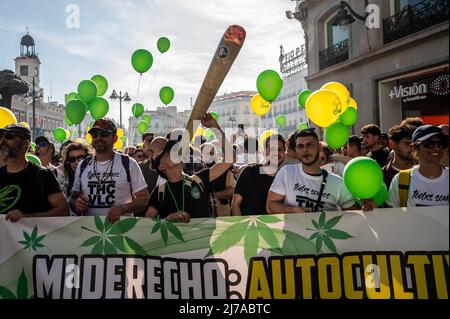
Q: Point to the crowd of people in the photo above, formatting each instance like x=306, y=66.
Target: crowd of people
x=279, y=175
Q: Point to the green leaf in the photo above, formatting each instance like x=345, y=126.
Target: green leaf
x=175, y=231
x=313, y=236
x=316, y=226
x=26, y=236
x=123, y=226
x=109, y=248
x=156, y=227
x=318, y=244
x=251, y=242
x=5, y=293
x=164, y=234
x=119, y=244
x=99, y=224
x=107, y=225
x=24, y=242
x=268, y=219
x=91, y=241
x=332, y=222
x=98, y=248
x=39, y=239
x=267, y=234
x=229, y=237
x=22, y=286
x=136, y=247
x=329, y=243
x=338, y=234
x=295, y=244
x=38, y=245
x=322, y=219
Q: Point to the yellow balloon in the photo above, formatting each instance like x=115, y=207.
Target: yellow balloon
x=87, y=130
x=25, y=124
x=67, y=134
x=118, y=145
x=120, y=132
x=265, y=135
x=199, y=132
x=259, y=105
x=6, y=117
x=353, y=104
x=323, y=107
x=89, y=138
x=341, y=91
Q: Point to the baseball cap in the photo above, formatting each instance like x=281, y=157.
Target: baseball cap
x=424, y=132
x=41, y=139
x=105, y=125
x=147, y=135
x=18, y=129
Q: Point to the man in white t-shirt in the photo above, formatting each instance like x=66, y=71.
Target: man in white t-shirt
x=108, y=184
x=428, y=181
x=306, y=187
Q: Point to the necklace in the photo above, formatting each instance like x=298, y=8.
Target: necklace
x=173, y=197
x=105, y=175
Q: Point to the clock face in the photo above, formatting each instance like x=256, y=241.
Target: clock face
x=440, y=85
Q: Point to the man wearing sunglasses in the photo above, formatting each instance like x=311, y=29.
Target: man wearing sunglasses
x=427, y=183
x=45, y=150
x=108, y=184
x=27, y=190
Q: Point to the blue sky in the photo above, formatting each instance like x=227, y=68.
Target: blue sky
x=110, y=31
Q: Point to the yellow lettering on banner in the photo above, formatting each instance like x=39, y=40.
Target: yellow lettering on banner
x=347, y=270
x=322, y=265
x=380, y=289
x=259, y=285
x=419, y=262
x=446, y=259
x=305, y=265
x=397, y=279
x=277, y=279
x=439, y=277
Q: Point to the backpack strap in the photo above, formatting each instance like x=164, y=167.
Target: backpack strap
x=195, y=178
x=161, y=191
x=126, y=164
x=404, y=179
x=322, y=188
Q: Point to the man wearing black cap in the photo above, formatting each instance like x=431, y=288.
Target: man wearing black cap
x=108, y=184
x=26, y=190
x=427, y=183
x=45, y=150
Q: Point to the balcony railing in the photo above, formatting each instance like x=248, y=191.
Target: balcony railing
x=415, y=18
x=333, y=55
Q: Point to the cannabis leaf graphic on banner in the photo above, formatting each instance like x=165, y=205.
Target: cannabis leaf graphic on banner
x=110, y=238
x=32, y=241
x=324, y=233
x=252, y=230
x=164, y=228
x=21, y=291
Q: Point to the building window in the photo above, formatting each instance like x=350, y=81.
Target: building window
x=335, y=34
x=336, y=41
x=24, y=70
x=399, y=5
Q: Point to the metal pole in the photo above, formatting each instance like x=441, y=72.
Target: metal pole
x=120, y=103
x=34, y=111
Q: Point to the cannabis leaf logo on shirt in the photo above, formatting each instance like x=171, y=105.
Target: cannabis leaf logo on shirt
x=165, y=227
x=110, y=238
x=324, y=233
x=9, y=196
x=21, y=291
x=32, y=241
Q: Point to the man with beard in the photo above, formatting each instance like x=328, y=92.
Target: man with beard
x=109, y=184
x=253, y=185
x=400, y=141
x=306, y=187
x=372, y=141
x=27, y=190
x=45, y=150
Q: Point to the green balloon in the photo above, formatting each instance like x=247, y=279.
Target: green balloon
x=137, y=109
x=215, y=116
x=87, y=91
x=209, y=134
x=166, y=94
x=269, y=85
x=302, y=126
x=123, y=139
x=146, y=118
x=102, y=84
x=71, y=96
x=59, y=134
x=98, y=108
x=141, y=60
x=163, y=44
x=349, y=117
x=302, y=97
x=68, y=122
x=34, y=159
x=33, y=146
x=363, y=177
x=336, y=135
x=281, y=120
x=76, y=111
x=142, y=127
x=381, y=196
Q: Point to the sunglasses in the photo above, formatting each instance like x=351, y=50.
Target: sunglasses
x=8, y=135
x=429, y=144
x=102, y=134
x=42, y=145
x=76, y=159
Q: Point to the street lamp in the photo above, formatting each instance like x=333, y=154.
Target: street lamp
x=121, y=97
x=344, y=18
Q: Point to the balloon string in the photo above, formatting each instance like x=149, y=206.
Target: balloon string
x=273, y=118
x=139, y=84
x=148, y=98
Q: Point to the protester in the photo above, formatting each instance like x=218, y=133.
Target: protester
x=290, y=156
x=328, y=162
x=108, y=184
x=45, y=150
x=372, y=140
x=32, y=190
x=353, y=147
x=425, y=184
x=444, y=128
x=139, y=155
x=414, y=121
